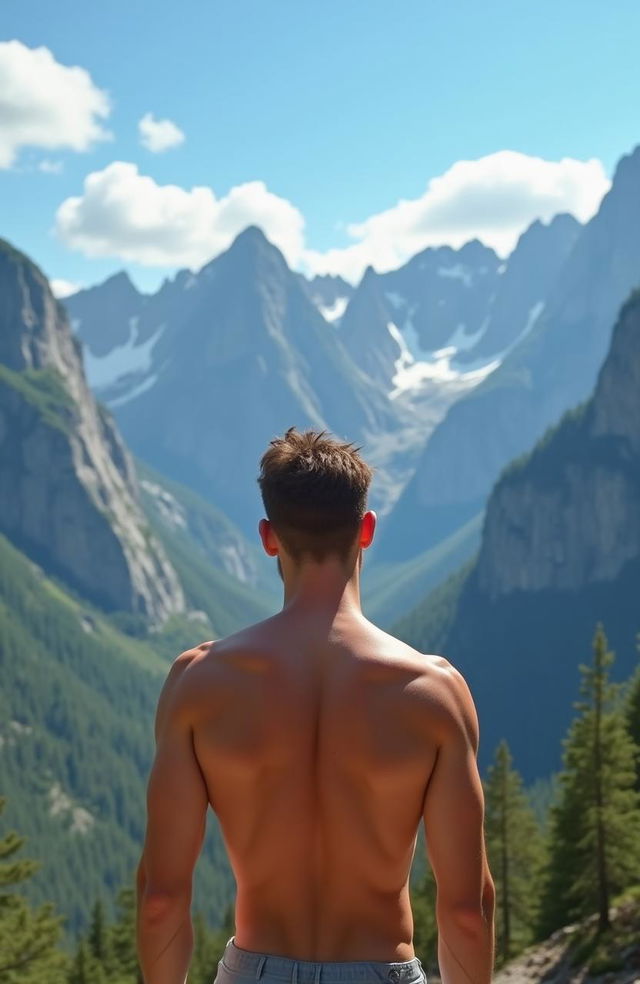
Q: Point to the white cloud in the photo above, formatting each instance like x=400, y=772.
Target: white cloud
x=63, y=288
x=46, y=104
x=159, y=135
x=493, y=199
x=126, y=214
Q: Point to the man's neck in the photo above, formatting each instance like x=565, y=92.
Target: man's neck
x=325, y=589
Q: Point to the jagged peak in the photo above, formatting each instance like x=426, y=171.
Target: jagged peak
x=15, y=255
x=368, y=275
x=476, y=248
x=628, y=167
x=539, y=229
x=252, y=234
x=330, y=279
x=251, y=242
x=246, y=248
x=119, y=282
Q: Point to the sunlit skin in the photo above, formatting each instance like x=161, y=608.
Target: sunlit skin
x=313, y=736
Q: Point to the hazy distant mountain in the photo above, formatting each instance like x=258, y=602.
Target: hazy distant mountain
x=68, y=490
x=560, y=550
x=227, y=359
x=549, y=370
x=449, y=315
x=105, y=313
x=404, y=325
x=527, y=277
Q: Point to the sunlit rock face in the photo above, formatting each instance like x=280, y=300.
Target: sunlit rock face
x=568, y=514
x=68, y=489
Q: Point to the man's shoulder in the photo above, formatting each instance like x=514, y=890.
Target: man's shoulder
x=433, y=662
x=437, y=679
x=216, y=652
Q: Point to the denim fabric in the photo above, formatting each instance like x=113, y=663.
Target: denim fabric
x=239, y=966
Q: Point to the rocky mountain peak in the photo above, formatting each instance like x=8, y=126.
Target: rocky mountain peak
x=34, y=333
x=627, y=169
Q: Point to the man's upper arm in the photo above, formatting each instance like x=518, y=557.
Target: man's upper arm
x=177, y=796
x=454, y=807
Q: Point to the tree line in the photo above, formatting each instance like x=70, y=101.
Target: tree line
x=578, y=860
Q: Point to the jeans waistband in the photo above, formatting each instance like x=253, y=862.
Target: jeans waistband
x=257, y=965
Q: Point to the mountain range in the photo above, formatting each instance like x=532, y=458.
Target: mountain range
x=552, y=367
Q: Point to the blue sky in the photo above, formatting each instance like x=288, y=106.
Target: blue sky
x=340, y=109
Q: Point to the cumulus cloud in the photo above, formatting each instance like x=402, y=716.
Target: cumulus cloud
x=493, y=199
x=63, y=288
x=129, y=215
x=159, y=135
x=126, y=214
x=46, y=104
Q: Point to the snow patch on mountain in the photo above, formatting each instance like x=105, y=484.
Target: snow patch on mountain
x=405, y=359
x=417, y=366
x=132, y=357
x=333, y=312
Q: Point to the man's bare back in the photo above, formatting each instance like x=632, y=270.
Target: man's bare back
x=317, y=740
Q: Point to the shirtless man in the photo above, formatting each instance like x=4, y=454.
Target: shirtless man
x=321, y=743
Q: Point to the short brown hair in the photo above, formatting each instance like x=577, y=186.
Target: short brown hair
x=314, y=489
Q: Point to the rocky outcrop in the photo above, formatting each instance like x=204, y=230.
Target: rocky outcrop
x=68, y=489
x=571, y=955
x=568, y=514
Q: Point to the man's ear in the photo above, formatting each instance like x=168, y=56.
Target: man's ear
x=268, y=538
x=367, y=528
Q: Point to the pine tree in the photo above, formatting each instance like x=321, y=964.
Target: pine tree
x=97, y=937
x=594, y=848
x=515, y=854
x=202, y=968
x=122, y=937
x=632, y=712
x=425, y=925
x=29, y=937
x=86, y=969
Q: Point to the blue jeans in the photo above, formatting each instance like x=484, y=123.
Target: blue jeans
x=239, y=966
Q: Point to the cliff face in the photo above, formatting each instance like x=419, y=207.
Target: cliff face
x=568, y=514
x=68, y=490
